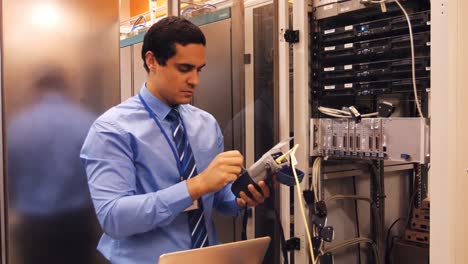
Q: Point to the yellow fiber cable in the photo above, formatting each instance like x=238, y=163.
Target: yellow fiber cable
x=292, y=159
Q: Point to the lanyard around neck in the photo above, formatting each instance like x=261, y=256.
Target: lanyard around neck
x=173, y=148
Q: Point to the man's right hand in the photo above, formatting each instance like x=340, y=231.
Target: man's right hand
x=224, y=168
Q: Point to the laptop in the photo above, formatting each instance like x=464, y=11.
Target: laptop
x=249, y=251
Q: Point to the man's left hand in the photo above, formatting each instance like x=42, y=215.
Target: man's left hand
x=257, y=197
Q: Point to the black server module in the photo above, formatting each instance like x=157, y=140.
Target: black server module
x=361, y=58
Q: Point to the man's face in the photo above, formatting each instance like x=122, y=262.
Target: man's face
x=175, y=82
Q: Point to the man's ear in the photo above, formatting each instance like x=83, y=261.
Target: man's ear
x=151, y=61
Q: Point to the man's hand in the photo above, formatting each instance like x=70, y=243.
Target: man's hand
x=224, y=168
x=258, y=198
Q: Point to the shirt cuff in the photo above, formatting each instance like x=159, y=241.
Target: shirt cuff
x=234, y=207
x=176, y=197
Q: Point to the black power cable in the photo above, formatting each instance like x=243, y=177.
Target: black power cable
x=244, y=224
x=387, y=243
x=284, y=249
x=358, y=233
x=270, y=184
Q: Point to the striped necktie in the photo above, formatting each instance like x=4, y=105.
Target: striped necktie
x=196, y=218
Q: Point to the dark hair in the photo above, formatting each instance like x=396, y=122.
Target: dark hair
x=51, y=77
x=163, y=35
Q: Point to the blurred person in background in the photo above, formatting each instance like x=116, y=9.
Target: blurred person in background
x=50, y=198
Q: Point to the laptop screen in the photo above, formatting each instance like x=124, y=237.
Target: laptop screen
x=249, y=251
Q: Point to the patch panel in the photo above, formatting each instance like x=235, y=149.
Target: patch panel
x=395, y=139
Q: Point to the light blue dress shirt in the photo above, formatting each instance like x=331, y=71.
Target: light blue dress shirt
x=46, y=177
x=135, y=185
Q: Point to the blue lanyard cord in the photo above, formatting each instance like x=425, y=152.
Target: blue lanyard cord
x=174, y=151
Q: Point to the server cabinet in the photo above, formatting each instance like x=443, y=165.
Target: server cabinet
x=444, y=90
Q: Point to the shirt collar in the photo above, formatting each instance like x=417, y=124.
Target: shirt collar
x=160, y=108
x=53, y=97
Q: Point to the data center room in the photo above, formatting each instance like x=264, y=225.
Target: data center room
x=352, y=113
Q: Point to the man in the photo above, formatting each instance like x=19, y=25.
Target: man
x=45, y=175
x=155, y=164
